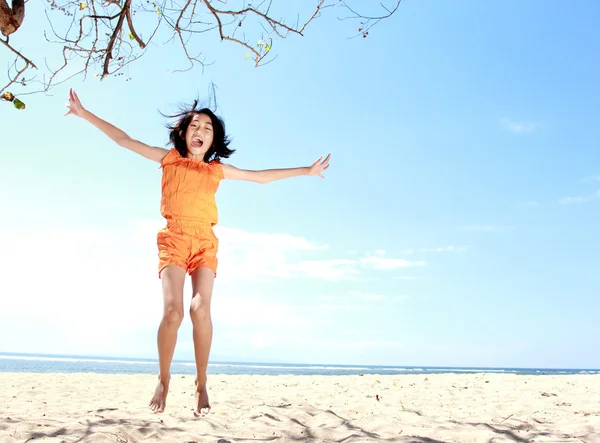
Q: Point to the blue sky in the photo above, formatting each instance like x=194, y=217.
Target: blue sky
x=457, y=224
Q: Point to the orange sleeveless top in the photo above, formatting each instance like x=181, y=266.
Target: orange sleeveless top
x=189, y=188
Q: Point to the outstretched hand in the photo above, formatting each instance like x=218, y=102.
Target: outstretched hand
x=74, y=105
x=318, y=167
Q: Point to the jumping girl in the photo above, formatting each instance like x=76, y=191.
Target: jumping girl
x=191, y=173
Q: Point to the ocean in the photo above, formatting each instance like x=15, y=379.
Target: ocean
x=11, y=362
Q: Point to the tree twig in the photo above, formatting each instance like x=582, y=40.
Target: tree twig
x=20, y=72
x=94, y=32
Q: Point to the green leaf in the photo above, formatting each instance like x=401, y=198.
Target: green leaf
x=131, y=37
x=18, y=104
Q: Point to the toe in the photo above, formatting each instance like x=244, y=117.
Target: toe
x=202, y=412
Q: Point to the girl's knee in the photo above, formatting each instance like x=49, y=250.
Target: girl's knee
x=200, y=308
x=173, y=315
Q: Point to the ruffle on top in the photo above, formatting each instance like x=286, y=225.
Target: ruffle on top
x=175, y=158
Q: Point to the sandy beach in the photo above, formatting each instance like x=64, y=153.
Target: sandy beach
x=405, y=408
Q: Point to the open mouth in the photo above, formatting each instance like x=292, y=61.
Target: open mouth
x=197, y=142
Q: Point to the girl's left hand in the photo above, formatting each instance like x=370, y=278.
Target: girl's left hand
x=318, y=167
x=75, y=106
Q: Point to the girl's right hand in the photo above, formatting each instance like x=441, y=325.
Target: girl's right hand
x=74, y=105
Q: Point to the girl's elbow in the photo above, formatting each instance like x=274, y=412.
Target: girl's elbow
x=124, y=142
x=261, y=179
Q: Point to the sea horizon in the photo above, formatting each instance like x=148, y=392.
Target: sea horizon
x=72, y=363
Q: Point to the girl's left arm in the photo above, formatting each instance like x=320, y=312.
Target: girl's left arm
x=270, y=175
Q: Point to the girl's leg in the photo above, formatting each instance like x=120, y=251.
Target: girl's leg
x=172, y=278
x=202, y=285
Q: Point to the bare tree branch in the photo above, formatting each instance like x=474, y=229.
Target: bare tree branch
x=132, y=29
x=113, y=38
x=103, y=37
x=368, y=22
x=20, y=72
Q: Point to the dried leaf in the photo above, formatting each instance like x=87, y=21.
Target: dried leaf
x=8, y=96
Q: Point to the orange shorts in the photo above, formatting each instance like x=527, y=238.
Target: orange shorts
x=190, y=245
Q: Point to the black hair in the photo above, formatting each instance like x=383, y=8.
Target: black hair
x=219, y=148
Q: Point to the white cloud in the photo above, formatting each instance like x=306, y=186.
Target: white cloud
x=330, y=270
x=448, y=248
x=437, y=250
x=265, y=257
x=368, y=297
x=243, y=312
x=382, y=263
x=580, y=199
x=305, y=328
x=359, y=297
x=517, y=127
x=75, y=287
x=259, y=240
x=98, y=288
x=112, y=273
x=256, y=256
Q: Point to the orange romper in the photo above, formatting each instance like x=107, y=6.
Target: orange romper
x=188, y=203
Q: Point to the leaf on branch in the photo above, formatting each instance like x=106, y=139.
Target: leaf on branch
x=8, y=96
x=18, y=104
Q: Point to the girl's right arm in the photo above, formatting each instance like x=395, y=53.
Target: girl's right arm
x=118, y=136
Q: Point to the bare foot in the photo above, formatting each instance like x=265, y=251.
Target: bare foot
x=202, y=405
x=159, y=401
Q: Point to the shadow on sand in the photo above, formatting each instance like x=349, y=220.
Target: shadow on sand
x=282, y=428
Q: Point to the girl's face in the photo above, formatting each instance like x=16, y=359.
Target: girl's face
x=199, y=135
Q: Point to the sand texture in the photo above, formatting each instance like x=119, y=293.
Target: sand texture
x=406, y=408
